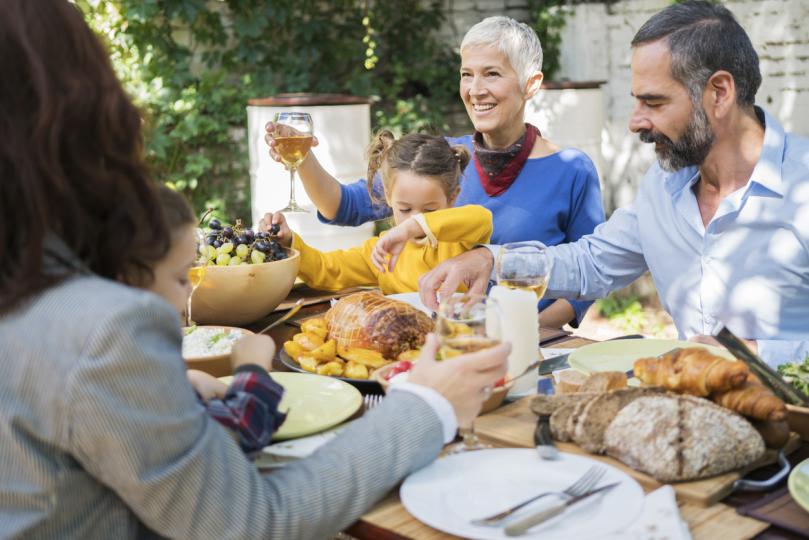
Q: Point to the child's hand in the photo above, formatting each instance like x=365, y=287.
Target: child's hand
x=207, y=386
x=276, y=225
x=255, y=349
x=392, y=243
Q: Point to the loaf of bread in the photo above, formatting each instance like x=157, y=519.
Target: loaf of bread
x=369, y=320
x=692, y=370
x=568, y=381
x=604, y=381
x=677, y=438
x=753, y=399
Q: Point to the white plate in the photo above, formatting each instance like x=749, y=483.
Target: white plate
x=620, y=354
x=411, y=298
x=454, y=490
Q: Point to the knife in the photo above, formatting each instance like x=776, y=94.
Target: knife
x=561, y=361
x=521, y=527
x=543, y=439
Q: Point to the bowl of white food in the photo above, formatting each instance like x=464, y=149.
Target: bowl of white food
x=208, y=348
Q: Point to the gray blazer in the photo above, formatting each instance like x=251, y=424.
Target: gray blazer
x=101, y=435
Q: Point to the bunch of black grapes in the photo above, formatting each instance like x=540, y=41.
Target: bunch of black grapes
x=232, y=245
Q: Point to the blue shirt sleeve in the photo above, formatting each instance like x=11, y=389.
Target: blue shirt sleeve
x=586, y=211
x=356, y=206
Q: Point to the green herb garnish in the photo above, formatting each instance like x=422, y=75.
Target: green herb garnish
x=796, y=374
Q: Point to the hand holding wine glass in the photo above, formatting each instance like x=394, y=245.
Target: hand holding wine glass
x=467, y=323
x=524, y=265
x=293, y=138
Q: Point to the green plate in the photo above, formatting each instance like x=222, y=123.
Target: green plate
x=799, y=484
x=620, y=355
x=312, y=403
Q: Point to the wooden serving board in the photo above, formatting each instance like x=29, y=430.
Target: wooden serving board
x=514, y=424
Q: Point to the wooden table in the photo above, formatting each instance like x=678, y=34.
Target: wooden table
x=389, y=520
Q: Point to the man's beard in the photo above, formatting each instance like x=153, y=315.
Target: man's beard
x=691, y=148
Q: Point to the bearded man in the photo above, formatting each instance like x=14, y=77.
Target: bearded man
x=721, y=220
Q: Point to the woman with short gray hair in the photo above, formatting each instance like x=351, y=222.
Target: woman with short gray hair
x=534, y=189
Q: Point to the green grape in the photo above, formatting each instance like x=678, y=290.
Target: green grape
x=211, y=252
x=227, y=247
x=257, y=257
x=234, y=261
x=242, y=250
x=223, y=259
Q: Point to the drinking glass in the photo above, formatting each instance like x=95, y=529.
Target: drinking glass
x=293, y=139
x=467, y=323
x=524, y=265
x=197, y=271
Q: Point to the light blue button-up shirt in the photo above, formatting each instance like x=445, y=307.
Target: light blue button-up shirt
x=748, y=269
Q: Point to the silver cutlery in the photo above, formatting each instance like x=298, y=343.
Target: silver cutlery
x=543, y=439
x=561, y=362
x=370, y=401
x=521, y=527
x=292, y=311
x=586, y=482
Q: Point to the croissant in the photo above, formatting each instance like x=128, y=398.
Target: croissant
x=692, y=371
x=753, y=399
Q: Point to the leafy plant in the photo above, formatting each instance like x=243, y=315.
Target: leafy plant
x=626, y=311
x=191, y=65
x=548, y=21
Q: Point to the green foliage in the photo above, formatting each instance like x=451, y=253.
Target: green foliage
x=626, y=311
x=191, y=65
x=548, y=21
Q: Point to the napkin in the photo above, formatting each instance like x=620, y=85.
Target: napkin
x=659, y=520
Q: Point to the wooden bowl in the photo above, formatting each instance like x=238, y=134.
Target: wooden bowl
x=217, y=365
x=237, y=295
x=492, y=402
x=798, y=419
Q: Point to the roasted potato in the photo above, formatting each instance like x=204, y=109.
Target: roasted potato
x=354, y=370
x=294, y=350
x=334, y=368
x=316, y=326
x=366, y=357
x=307, y=341
x=447, y=352
x=308, y=363
x=326, y=352
x=411, y=355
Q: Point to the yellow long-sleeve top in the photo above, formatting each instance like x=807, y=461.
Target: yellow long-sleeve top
x=448, y=233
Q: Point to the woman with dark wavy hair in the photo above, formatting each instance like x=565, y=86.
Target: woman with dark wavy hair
x=101, y=435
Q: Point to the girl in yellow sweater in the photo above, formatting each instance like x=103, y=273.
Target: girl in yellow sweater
x=421, y=177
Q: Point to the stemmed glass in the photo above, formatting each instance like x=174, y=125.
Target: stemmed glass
x=197, y=271
x=524, y=265
x=293, y=139
x=467, y=323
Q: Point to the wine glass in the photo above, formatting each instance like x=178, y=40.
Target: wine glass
x=467, y=323
x=293, y=139
x=197, y=271
x=525, y=266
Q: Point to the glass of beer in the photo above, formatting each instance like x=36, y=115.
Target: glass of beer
x=467, y=323
x=197, y=271
x=293, y=139
x=524, y=265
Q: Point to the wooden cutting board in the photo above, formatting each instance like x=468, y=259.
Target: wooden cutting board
x=514, y=426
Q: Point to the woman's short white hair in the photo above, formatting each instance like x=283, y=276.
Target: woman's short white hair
x=516, y=40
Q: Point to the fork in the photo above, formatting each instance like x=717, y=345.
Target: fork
x=584, y=484
x=372, y=400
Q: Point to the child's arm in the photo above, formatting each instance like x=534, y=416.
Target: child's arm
x=471, y=224
x=207, y=386
x=330, y=271
x=250, y=404
x=336, y=270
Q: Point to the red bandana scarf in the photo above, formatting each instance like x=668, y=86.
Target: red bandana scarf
x=498, y=169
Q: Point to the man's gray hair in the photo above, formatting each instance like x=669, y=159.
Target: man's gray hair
x=705, y=38
x=516, y=40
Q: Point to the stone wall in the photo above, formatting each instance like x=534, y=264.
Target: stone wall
x=596, y=47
